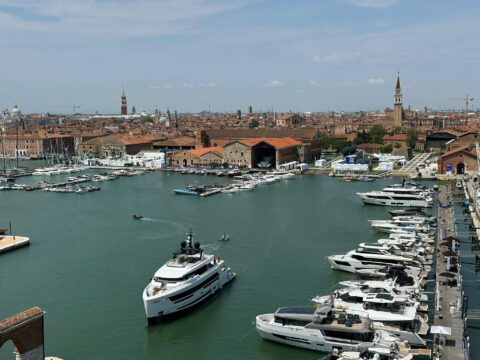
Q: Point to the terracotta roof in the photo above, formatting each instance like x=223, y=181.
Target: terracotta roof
x=21, y=318
x=180, y=141
x=461, y=148
x=202, y=151
x=127, y=139
x=448, y=131
x=396, y=137
x=277, y=143
x=244, y=133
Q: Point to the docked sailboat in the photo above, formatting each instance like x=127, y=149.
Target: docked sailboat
x=190, y=277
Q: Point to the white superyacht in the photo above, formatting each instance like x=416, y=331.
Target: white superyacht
x=326, y=330
x=189, y=278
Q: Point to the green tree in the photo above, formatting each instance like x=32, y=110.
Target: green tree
x=412, y=138
x=334, y=143
x=362, y=138
x=253, y=124
x=225, y=164
x=147, y=119
x=386, y=148
x=377, y=132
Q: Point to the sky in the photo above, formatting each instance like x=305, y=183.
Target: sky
x=194, y=55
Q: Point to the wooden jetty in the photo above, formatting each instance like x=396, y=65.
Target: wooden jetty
x=211, y=192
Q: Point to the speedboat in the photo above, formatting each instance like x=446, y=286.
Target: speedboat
x=187, y=279
x=224, y=237
x=137, y=217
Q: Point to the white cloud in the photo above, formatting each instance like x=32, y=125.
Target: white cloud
x=376, y=81
x=211, y=84
x=188, y=85
x=378, y=4
x=344, y=84
x=166, y=86
x=275, y=83
x=337, y=57
x=108, y=18
x=153, y=87
x=314, y=83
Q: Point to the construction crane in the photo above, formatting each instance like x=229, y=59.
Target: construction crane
x=467, y=100
x=478, y=156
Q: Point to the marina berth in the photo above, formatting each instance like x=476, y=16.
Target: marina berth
x=327, y=330
x=189, y=278
x=408, y=212
x=371, y=354
x=386, y=307
x=392, y=199
x=360, y=261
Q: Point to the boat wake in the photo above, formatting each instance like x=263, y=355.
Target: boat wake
x=210, y=247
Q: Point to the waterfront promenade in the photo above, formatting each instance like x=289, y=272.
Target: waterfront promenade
x=448, y=294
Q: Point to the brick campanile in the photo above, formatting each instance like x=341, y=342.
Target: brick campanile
x=123, y=101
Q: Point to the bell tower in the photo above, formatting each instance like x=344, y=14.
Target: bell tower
x=123, y=101
x=398, y=108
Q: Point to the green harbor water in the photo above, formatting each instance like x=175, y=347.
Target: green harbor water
x=89, y=261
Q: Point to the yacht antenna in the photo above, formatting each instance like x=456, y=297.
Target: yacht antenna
x=190, y=238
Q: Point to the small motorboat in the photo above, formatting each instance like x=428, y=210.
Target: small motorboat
x=224, y=237
x=138, y=217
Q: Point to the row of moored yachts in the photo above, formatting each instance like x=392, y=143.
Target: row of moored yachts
x=57, y=170
x=250, y=181
x=384, y=317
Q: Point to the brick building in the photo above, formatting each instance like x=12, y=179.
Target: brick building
x=290, y=121
x=308, y=149
x=461, y=160
x=198, y=157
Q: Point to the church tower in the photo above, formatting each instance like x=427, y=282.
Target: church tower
x=123, y=108
x=398, y=109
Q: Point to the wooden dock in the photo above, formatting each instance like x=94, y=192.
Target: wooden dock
x=449, y=295
x=211, y=192
x=9, y=243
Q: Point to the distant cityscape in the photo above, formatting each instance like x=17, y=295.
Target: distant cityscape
x=204, y=138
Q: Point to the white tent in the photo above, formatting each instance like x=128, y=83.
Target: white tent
x=441, y=330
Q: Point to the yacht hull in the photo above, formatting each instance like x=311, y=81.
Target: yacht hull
x=311, y=339
x=187, y=296
x=395, y=202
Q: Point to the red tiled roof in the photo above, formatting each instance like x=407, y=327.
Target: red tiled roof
x=276, y=142
x=202, y=151
x=180, y=141
x=461, y=148
x=396, y=137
